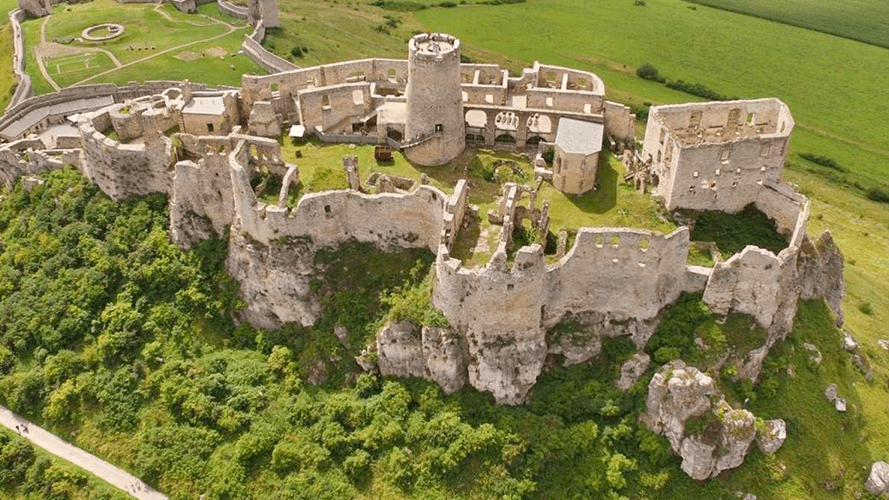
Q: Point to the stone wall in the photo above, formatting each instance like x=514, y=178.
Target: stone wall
x=252, y=46
x=232, y=9
x=28, y=157
x=24, y=87
x=124, y=170
x=620, y=123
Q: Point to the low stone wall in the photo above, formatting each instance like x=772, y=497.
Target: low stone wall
x=24, y=88
x=252, y=46
x=232, y=9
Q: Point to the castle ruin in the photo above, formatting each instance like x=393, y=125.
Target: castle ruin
x=206, y=149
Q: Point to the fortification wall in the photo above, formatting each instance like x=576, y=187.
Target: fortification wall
x=232, y=9
x=202, y=203
x=124, y=170
x=625, y=273
x=28, y=157
x=24, y=88
x=620, y=123
x=331, y=108
x=252, y=46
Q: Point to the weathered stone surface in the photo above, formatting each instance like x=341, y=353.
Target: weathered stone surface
x=840, y=405
x=883, y=343
x=445, y=361
x=263, y=120
x=831, y=393
x=631, y=370
x=36, y=8
x=849, y=343
x=878, y=480
x=820, y=269
x=771, y=438
x=400, y=350
x=677, y=393
x=814, y=353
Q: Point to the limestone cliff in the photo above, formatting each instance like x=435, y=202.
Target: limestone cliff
x=683, y=404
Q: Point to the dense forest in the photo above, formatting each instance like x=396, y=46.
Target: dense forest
x=117, y=340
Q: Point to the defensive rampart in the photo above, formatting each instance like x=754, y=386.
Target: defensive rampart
x=24, y=87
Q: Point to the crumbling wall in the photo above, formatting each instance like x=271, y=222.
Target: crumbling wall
x=272, y=249
x=620, y=123
x=202, y=205
x=124, y=170
x=619, y=274
x=331, y=108
x=497, y=309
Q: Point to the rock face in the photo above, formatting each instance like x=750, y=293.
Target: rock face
x=721, y=436
x=405, y=350
x=878, y=481
x=36, y=8
x=771, y=438
x=820, y=269
x=631, y=370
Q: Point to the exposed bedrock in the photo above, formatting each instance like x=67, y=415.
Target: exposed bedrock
x=683, y=404
x=406, y=350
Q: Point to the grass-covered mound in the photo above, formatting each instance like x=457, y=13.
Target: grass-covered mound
x=121, y=343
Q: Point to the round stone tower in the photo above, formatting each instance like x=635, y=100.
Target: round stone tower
x=435, y=130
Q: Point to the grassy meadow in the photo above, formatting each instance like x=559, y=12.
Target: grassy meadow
x=863, y=20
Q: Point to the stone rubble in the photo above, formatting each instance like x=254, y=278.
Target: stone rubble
x=631, y=370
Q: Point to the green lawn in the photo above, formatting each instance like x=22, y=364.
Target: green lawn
x=863, y=20
x=68, y=70
x=200, y=62
x=143, y=27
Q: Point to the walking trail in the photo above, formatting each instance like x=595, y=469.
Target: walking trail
x=62, y=449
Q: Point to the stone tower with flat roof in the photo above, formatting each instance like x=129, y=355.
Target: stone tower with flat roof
x=435, y=130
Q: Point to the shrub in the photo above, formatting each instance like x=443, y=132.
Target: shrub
x=878, y=195
x=448, y=4
x=866, y=308
x=824, y=161
x=696, y=89
x=648, y=72
x=296, y=51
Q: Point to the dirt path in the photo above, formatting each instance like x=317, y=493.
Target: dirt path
x=62, y=449
x=168, y=17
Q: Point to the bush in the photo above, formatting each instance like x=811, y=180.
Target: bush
x=696, y=89
x=648, y=72
x=824, y=161
x=448, y=4
x=866, y=308
x=296, y=51
x=878, y=195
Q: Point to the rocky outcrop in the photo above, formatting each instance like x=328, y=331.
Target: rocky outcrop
x=36, y=8
x=771, y=435
x=703, y=429
x=820, y=271
x=631, y=370
x=814, y=353
x=878, y=480
x=406, y=350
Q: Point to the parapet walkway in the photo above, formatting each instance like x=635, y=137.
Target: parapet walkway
x=91, y=463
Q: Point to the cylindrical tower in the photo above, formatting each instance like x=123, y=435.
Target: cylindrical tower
x=435, y=131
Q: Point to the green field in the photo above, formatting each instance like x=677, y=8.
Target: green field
x=862, y=20
x=192, y=47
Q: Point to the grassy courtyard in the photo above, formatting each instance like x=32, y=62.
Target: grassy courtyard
x=614, y=204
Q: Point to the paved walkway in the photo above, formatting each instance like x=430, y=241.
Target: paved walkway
x=62, y=449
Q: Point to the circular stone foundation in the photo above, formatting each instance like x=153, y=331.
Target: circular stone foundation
x=114, y=31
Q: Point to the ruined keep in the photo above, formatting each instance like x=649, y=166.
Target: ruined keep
x=434, y=127
x=714, y=156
